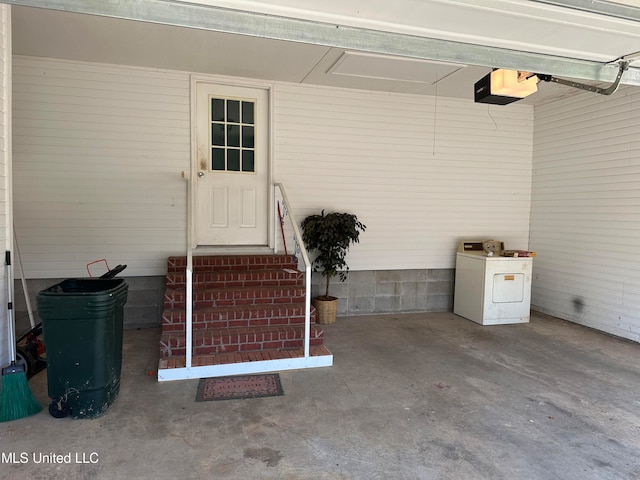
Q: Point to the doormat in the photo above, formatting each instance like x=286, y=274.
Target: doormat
x=241, y=386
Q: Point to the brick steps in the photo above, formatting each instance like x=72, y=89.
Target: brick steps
x=245, y=308
x=233, y=262
x=229, y=297
x=242, y=316
x=233, y=279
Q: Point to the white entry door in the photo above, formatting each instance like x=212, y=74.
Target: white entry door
x=231, y=187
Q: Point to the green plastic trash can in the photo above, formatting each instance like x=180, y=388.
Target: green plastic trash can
x=82, y=327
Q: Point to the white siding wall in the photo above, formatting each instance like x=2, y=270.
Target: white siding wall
x=99, y=150
x=586, y=209
x=5, y=172
x=422, y=173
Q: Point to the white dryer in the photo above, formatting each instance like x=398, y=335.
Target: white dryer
x=491, y=288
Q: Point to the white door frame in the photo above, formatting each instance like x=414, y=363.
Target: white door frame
x=193, y=172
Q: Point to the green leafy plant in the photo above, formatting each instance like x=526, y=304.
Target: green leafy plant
x=331, y=235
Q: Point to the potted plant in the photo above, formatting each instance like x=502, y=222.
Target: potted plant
x=330, y=235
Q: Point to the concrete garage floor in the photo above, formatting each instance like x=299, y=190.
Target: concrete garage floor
x=416, y=396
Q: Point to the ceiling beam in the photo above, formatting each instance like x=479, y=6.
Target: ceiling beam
x=207, y=17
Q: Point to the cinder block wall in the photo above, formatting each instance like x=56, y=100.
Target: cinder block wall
x=390, y=291
x=364, y=292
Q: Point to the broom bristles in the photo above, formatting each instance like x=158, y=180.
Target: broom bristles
x=16, y=400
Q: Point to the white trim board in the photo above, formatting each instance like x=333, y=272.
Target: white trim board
x=264, y=366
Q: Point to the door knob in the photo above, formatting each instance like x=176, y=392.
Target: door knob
x=201, y=174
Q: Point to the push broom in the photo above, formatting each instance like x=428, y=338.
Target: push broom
x=16, y=400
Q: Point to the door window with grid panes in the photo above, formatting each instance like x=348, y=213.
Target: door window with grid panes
x=232, y=135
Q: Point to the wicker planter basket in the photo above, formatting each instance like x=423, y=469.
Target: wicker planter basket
x=326, y=310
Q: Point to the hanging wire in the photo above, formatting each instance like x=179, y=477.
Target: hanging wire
x=495, y=125
x=435, y=116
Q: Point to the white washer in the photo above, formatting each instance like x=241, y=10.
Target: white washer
x=493, y=290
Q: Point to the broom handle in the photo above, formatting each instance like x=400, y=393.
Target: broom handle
x=12, y=327
x=23, y=280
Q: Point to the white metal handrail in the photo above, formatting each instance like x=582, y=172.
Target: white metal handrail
x=259, y=366
x=305, y=260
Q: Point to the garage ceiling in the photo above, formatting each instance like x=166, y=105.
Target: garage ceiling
x=430, y=47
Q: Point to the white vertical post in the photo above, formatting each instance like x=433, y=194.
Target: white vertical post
x=189, y=308
x=307, y=309
x=276, y=217
x=189, y=287
x=188, y=330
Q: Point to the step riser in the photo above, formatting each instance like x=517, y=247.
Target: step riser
x=175, y=323
x=247, y=347
x=214, y=324
x=237, y=302
x=217, y=324
x=208, y=343
x=244, y=263
x=231, y=298
x=240, y=336
x=289, y=310
x=204, y=281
